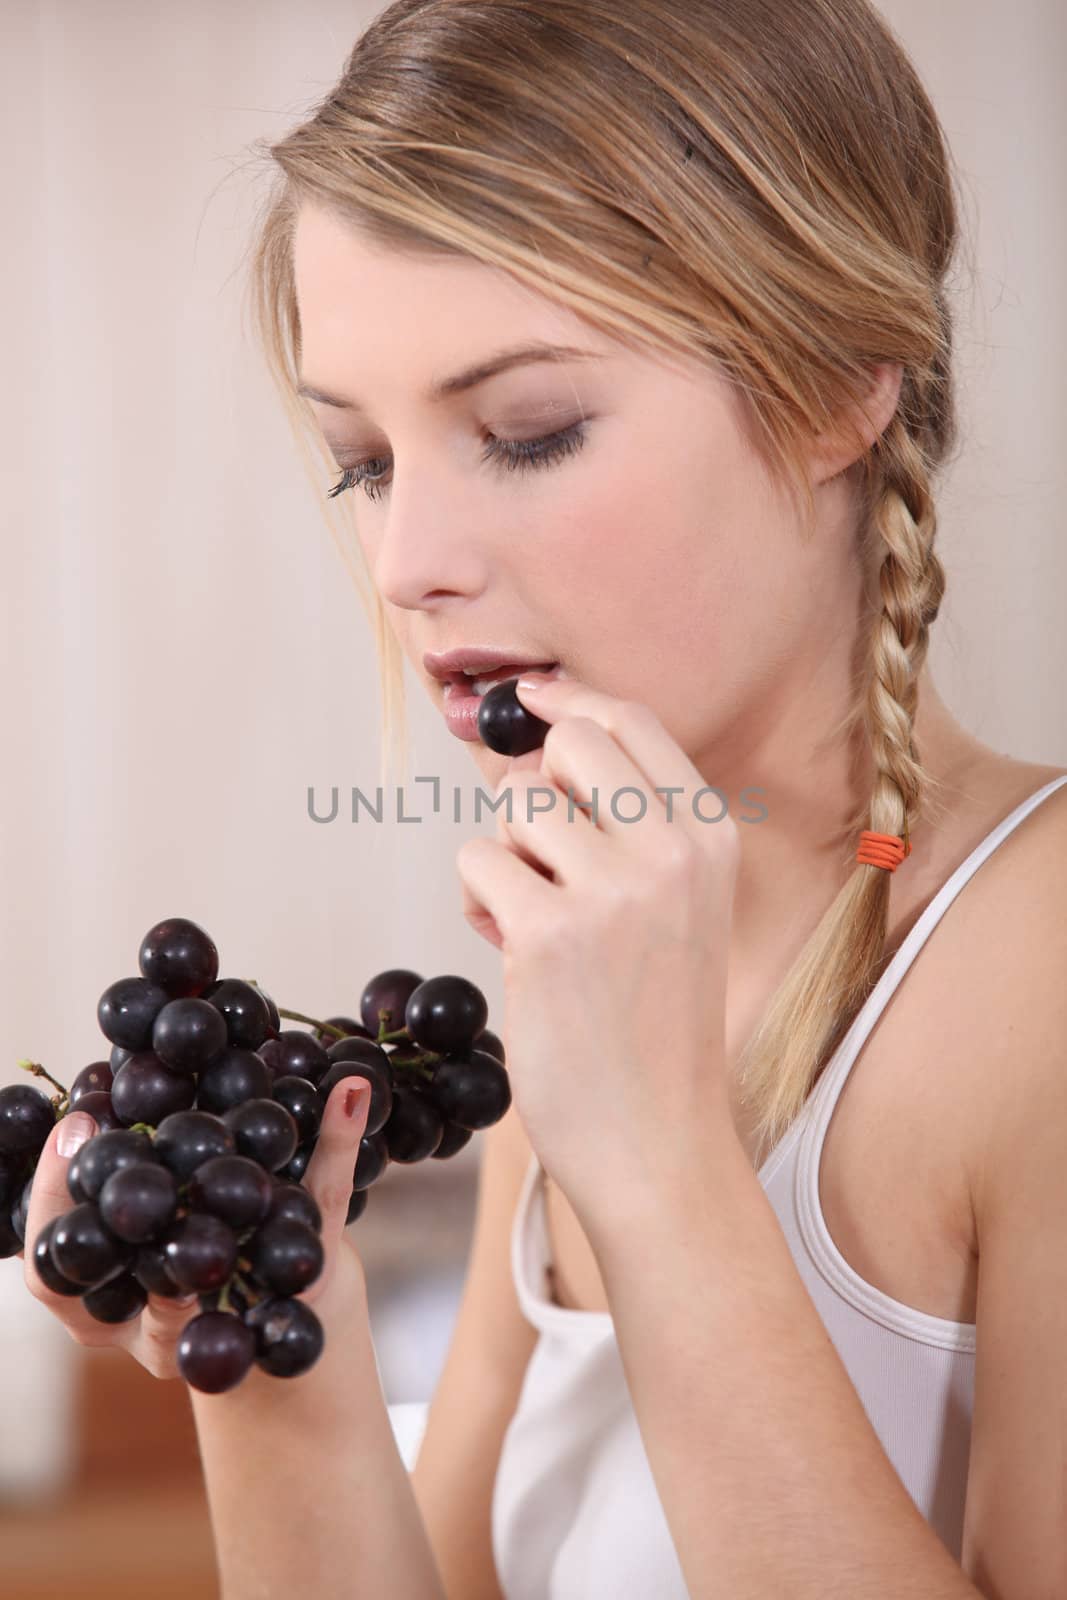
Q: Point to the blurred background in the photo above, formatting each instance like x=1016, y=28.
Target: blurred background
x=182, y=652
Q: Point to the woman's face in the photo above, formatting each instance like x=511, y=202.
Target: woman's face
x=655, y=562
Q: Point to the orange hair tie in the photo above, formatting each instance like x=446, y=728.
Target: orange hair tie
x=882, y=849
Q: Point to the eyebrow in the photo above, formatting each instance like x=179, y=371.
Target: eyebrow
x=443, y=388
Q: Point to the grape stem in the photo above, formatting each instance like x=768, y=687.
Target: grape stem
x=39, y=1072
x=313, y=1022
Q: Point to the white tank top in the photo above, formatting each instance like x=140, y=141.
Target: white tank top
x=576, y=1514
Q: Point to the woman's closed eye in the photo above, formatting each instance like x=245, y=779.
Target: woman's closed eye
x=515, y=455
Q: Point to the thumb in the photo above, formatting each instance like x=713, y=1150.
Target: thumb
x=50, y=1196
x=331, y=1169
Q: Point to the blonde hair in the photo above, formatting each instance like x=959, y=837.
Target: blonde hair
x=763, y=187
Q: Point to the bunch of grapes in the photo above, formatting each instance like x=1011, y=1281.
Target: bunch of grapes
x=209, y=1113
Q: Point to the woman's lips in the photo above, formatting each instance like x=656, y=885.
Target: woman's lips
x=461, y=703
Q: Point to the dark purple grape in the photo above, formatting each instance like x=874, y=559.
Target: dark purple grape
x=472, y=1089
x=119, y=1056
x=145, y=1090
x=295, y=1054
x=127, y=1010
x=285, y=1255
x=188, y=1138
x=452, y=1140
x=150, y=1269
x=293, y=1200
x=179, y=956
x=97, y=1104
x=21, y=1210
x=385, y=998
x=84, y=1250
x=294, y=1170
x=492, y=1045
x=189, y=1034
x=272, y=1010
x=289, y=1336
x=245, y=1010
x=234, y=1188
x=11, y=1166
x=348, y=1026
x=238, y=1075
x=120, y=1299
x=27, y=1117
x=356, y=1206
x=105, y=1153
x=446, y=1013
x=139, y=1202
x=505, y=725
x=372, y=1160
x=302, y=1100
x=200, y=1251
x=415, y=1126
x=47, y=1270
x=381, y=1084
x=95, y=1077
x=364, y=1050
x=264, y=1131
x=215, y=1351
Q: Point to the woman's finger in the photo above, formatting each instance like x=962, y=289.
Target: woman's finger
x=332, y=1166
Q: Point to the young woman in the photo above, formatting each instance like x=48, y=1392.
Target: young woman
x=627, y=326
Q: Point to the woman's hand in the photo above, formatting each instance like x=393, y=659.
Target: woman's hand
x=615, y=936
x=152, y=1337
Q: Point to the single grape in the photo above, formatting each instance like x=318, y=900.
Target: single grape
x=294, y=1170
x=295, y=1054
x=263, y=1130
x=505, y=725
x=27, y=1117
x=285, y=1255
x=493, y=1045
x=189, y=1034
x=127, y=1010
x=10, y=1243
x=238, y=1075
x=145, y=1090
x=21, y=1210
x=179, y=956
x=415, y=1126
x=215, y=1351
x=289, y=1336
x=139, y=1202
x=234, y=1188
x=446, y=1013
x=47, y=1270
x=187, y=1138
x=200, y=1251
x=120, y=1299
x=11, y=1174
x=272, y=1010
x=105, y=1153
x=452, y=1140
x=304, y=1103
x=119, y=1056
x=86, y=1251
x=245, y=1010
x=348, y=1026
x=293, y=1200
x=96, y=1077
x=365, y=1050
x=98, y=1105
x=372, y=1160
x=472, y=1089
x=356, y=1206
x=385, y=998
x=150, y=1269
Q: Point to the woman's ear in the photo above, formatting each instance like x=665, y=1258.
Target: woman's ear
x=835, y=450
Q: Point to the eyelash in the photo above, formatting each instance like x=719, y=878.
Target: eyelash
x=517, y=455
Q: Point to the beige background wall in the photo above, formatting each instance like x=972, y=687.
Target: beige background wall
x=181, y=653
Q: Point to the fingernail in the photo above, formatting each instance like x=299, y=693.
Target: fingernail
x=531, y=685
x=74, y=1130
x=353, y=1100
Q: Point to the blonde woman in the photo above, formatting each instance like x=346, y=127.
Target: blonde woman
x=626, y=326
